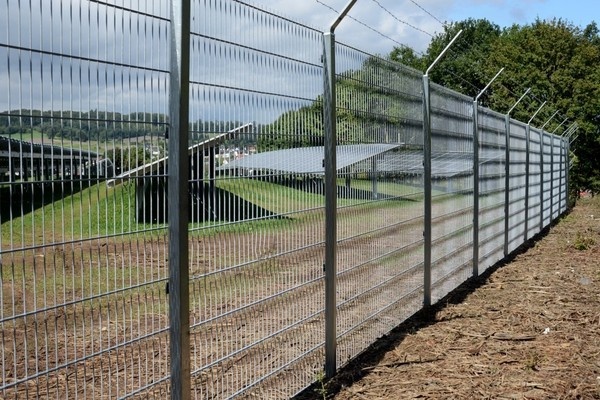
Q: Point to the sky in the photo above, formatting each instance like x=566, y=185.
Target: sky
x=88, y=30
x=411, y=25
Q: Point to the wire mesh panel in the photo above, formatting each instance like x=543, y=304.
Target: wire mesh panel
x=534, y=200
x=556, y=168
x=517, y=181
x=380, y=199
x=452, y=190
x=256, y=193
x=546, y=179
x=492, y=159
x=562, y=179
x=83, y=305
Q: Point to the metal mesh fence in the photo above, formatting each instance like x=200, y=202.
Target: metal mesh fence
x=558, y=198
x=256, y=232
x=547, y=185
x=492, y=170
x=83, y=303
x=534, y=200
x=517, y=185
x=380, y=209
x=452, y=190
x=84, y=244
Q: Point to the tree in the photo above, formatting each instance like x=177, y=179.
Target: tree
x=408, y=57
x=297, y=128
x=463, y=68
x=558, y=61
x=372, y=105
x=128, y=158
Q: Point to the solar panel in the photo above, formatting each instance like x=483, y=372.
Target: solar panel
x=308, y=160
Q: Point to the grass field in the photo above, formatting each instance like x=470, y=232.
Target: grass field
x=101, y=211
x=84, y=286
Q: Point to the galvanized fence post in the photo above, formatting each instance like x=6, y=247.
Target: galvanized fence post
x=542, y=134
x=427, y=218
x=506, y=182
x=527, y=161
x=552, y=138
x=560, y=173
x=476, y=174
x=568, y=161
x=565, y=141
x=427, y=213
x=562, y=193
x=507, y=176
x=330, y=266
x=567, y=168
x=178, y=171
x=570, y=140
x=475, y=188
x=330, y=203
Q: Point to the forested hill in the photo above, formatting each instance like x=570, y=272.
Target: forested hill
x=104, y=126
x=82, y=126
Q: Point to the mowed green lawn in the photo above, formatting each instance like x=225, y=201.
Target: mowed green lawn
x=58, y=249
x=102, y=211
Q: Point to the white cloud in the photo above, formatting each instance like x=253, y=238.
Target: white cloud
x=99, y=31
x=369, y=13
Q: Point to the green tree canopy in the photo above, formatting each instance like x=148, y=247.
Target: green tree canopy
x=560, y=62
x=374, y=102
x=462, y=69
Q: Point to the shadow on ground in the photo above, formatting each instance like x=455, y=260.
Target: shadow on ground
x=372, y=356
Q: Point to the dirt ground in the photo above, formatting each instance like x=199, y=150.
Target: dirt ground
x=528, y=329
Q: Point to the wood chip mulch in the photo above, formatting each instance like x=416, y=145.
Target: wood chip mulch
x=528, y=329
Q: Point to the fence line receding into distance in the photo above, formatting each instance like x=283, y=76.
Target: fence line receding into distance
x=84, y=245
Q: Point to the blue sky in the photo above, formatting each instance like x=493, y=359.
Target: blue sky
x=506, y=13
x=100, y=32
x=406, y=15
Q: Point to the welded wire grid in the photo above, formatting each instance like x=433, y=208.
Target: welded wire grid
x=557, y=173
x=562, y=180
x=380, y=200
x=452, y=190
x=547, y=173
x=492, y=159
x=256, y=248
x=83, y=308
x=534, y=203
x=517, y=185
x=83, y=216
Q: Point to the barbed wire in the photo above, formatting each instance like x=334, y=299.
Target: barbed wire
x=401, y=21
x=456, y=76
x=428, y=13
x=432, y=36
x=475, y=46
x=370, y=28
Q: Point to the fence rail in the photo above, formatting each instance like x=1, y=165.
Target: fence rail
x=84, y=181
